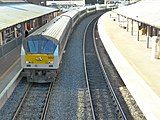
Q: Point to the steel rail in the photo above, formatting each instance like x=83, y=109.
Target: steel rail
x=45, y=108
x=85, y=70
x=106, y=77
x=21, y=103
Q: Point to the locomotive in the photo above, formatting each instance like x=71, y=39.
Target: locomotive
x=42, y=51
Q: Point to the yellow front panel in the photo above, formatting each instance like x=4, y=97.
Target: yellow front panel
x=39, y=58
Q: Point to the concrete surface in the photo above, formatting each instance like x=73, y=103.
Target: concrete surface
x=8, y=81
x=133, y=62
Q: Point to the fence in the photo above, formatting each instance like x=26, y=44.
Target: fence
x=9, y=53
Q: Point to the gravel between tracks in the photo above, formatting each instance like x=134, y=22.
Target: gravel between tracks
x=69, y=100
x=130, y=107
x=7, y=111
x=102, y=100
x=34, y=102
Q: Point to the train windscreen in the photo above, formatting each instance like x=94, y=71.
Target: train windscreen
x=40, y=45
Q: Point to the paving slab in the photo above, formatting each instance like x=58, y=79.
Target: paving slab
x=8, y=81
x=132, y=60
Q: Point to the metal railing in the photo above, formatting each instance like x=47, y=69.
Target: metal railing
x=9, y=46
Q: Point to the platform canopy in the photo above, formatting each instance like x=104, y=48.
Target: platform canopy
x=12, y=14
x=12, y=1
x=145, y=11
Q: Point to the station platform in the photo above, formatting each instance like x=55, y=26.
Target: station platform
x=8, y=81
x=133, y=62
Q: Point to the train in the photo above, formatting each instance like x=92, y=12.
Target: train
x=42, y=51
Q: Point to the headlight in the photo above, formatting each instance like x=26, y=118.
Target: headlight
x=51, y=62
x=27, y=62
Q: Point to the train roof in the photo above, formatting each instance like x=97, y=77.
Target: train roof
x=71, y=13
x=91, y=7
x=54, y=32
x=44, y=27
x=81, y=8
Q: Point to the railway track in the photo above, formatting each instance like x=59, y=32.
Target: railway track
x=34, y=103
x=70, y=100
x=104, y=102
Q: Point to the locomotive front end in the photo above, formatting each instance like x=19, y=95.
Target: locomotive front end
x=39, y=58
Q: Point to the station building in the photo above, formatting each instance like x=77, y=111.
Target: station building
x=67, y=2
x=140, y=19
x=18, y=19
x=133, y=44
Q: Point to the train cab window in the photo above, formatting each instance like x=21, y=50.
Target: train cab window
x=47, y=47
x=33, y=46
x=40, y=45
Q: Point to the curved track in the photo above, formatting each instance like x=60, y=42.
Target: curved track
x=70, y=98
x=104, y=102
